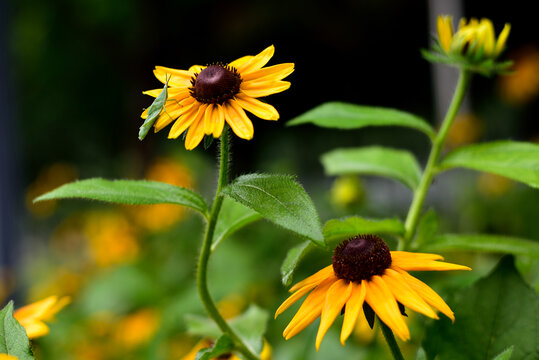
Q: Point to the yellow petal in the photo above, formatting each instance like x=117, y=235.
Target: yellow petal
x=353, y=309
x=209, y=121
x=60, y=304
x=429, y=295
x=238, y=120
x=316, y=278
x=263, y=88
x=426, y=265
x=486, y=37
x=35, y=310
x=184, y=121
x=220, y=122
x=445, y=31
x=257, y=107
x=195, y=134
x=405, y=295
x=406, y=255
x=310, y=309
x=169, y=116
x=336, y=297
x=177, y=78
x=153, y=93
x=382, y=301
x=144, y=114
x=502, y=38
x=35, y=329
x=242, y=60
x=294, y=297
x=256, y=62
x=271, y=73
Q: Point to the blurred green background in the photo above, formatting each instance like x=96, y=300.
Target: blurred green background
x=72, y=77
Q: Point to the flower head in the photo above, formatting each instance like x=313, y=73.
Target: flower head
x=473, y=46
x=32, y=317
x=201, y=99
x=365, y=271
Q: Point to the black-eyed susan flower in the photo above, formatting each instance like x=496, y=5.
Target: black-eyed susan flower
x=473, y=46
x=365, y=271
x=201, y=99
x=33, y=316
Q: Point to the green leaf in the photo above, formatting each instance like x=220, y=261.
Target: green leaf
x=341, y=115
x=336, y=230
x=396, y=164
x=222, y=346
x=155, y=109
x=505, y=355
x=13, y=338
x=427, y=228
x=133, y=192
x=232, y=217
x=292, y=260
x=421, y=354
x=250, y=326
x=280, y=199
x=482, y=243
x=498, y=311
x=516, y=160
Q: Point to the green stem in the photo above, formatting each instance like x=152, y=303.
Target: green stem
x=202, y=270
x=430, y=169
x=390, y=338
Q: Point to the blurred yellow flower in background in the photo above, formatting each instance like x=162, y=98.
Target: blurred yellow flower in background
x=32, y=317
x=473, y=38
x=47, y=180
x=161, y=216
x=466, y=129
x=202, y=98
x=62, y=281
x=111, y=238
x=347, y=191
x=137, y=328
x=522, y=85
x=492, y=186
x=207, y=343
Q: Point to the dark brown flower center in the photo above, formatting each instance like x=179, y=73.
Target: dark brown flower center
x=361, y=257
x=215, y=84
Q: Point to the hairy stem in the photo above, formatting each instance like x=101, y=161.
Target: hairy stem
x=202, y=270
x=434, y=156
x=391, y=342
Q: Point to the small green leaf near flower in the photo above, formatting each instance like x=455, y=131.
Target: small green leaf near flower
x=13, y=338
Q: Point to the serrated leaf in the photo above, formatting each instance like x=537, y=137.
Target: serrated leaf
x=13, y=338
x=340, y=115
x=427, y=228
x=232, y=217
x=396, y=164
x=223, y=345
x=292, y=260
x=336, y=230
x=482, y=243
x=133, y=192
x=498, y=311
x=155, y=109
x=280, y=199
x=516, y=160
x=250, y=327
x=505, y=355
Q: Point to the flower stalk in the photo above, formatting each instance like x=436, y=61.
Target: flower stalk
x=390, y=339
x=202, y=269
x=434, y=156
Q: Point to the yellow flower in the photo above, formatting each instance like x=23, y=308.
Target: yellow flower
x=202, y=98
x=522, y=85
x=475, y=38
x=32, y=316
x=364, y=270
x=137, y=328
